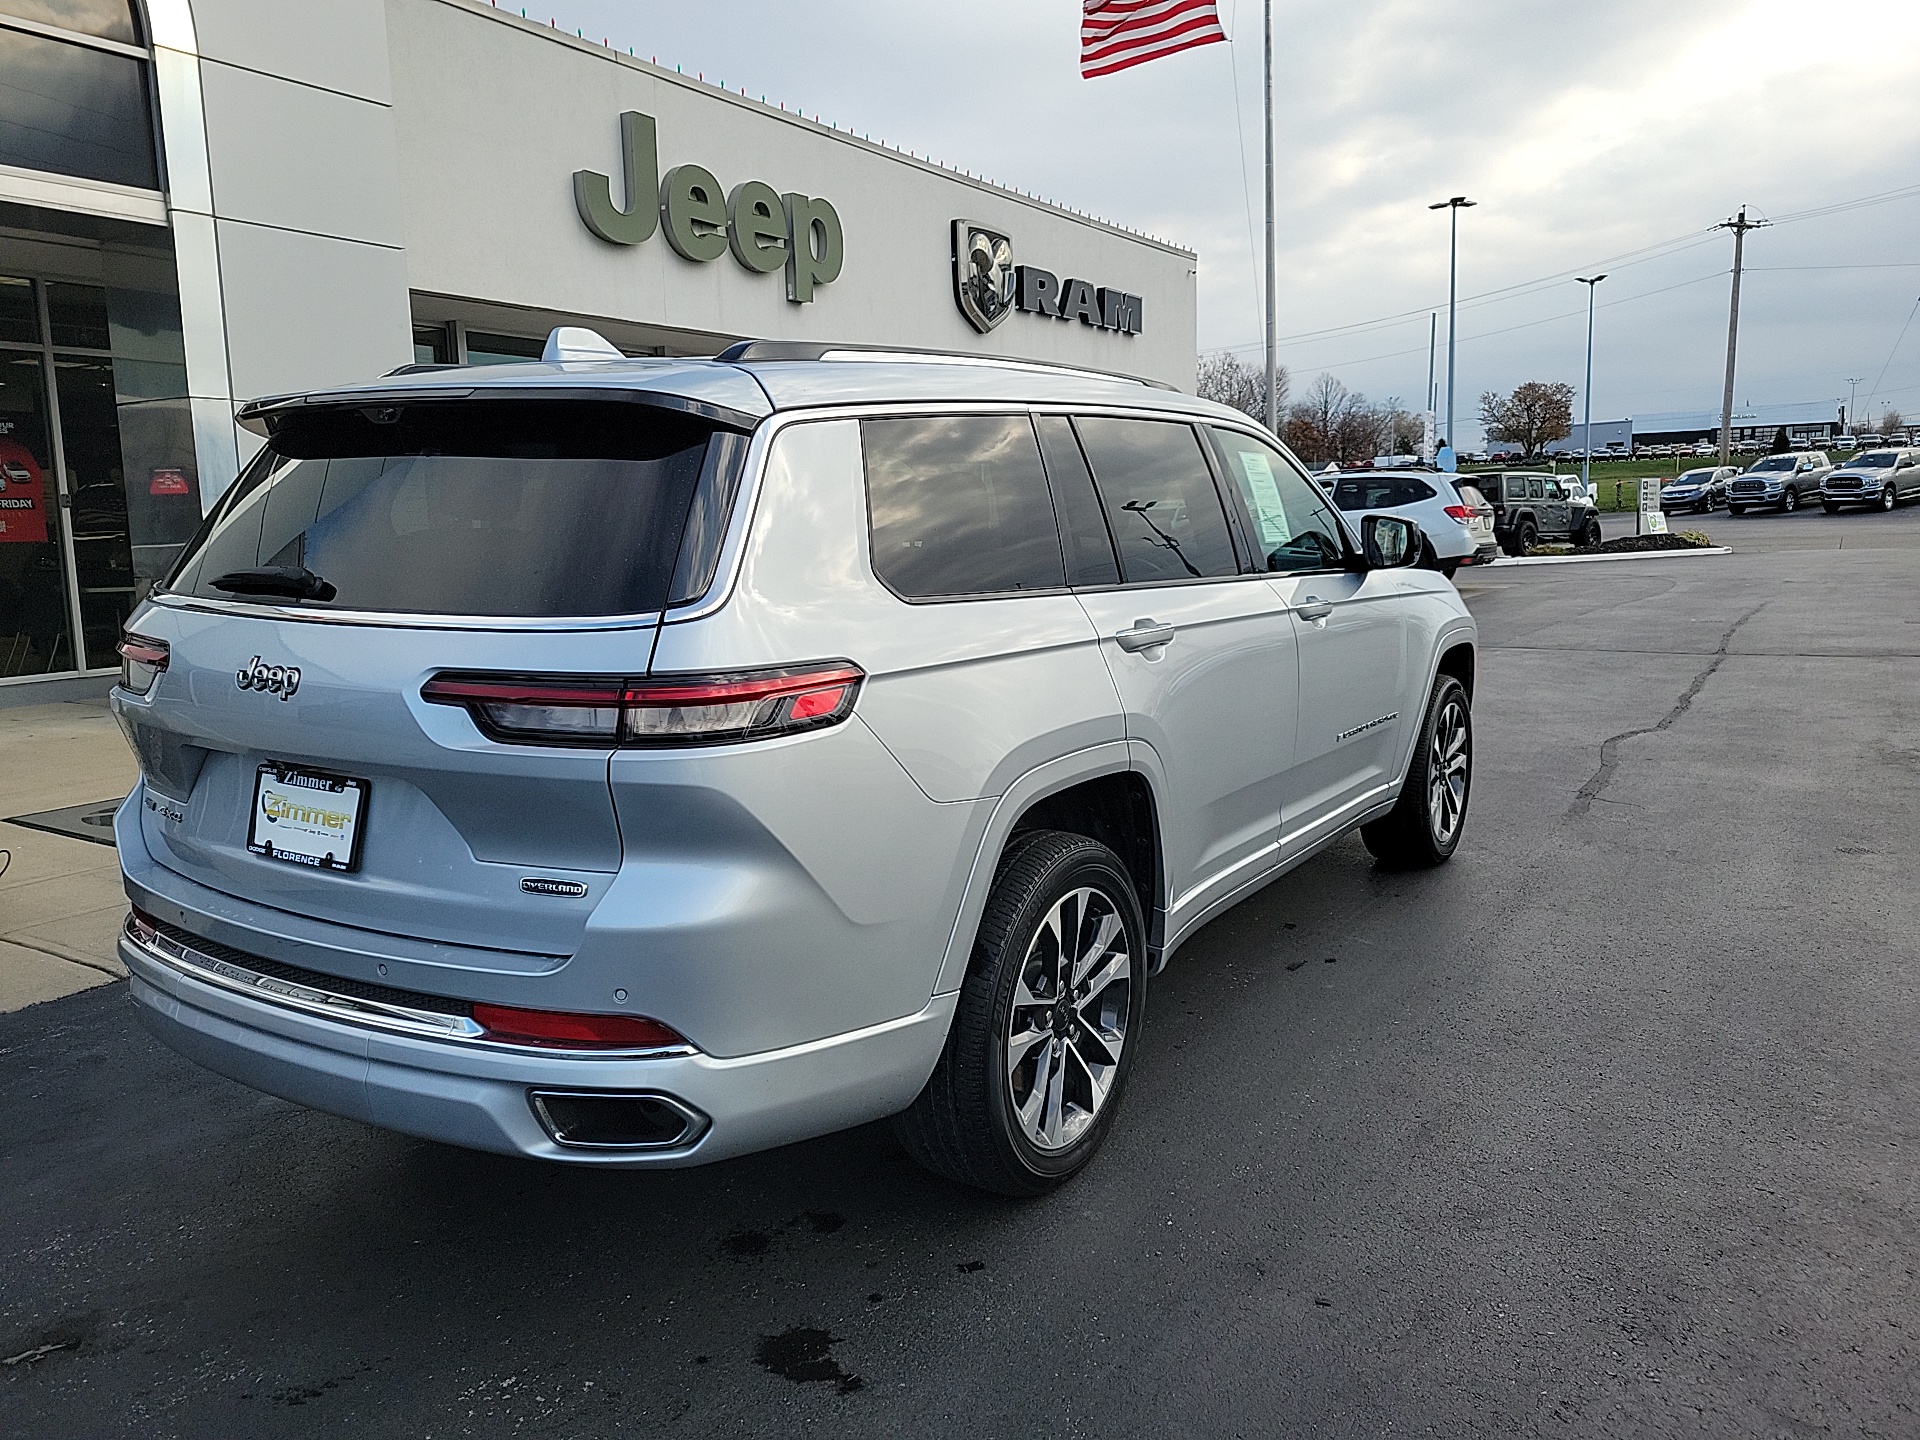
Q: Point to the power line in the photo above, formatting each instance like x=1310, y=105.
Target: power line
x=1893, y=352
x=1657, y=251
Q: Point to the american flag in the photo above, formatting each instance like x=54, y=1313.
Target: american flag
x=1117, y=34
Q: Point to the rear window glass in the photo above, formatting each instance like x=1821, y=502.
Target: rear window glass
x=1379, y=492
x=1160, y=500
x=513, y=508
x=959, y=506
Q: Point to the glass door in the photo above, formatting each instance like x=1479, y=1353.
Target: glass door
x=36, y=590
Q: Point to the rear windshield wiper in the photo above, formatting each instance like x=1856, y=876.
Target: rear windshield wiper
x=295, y=582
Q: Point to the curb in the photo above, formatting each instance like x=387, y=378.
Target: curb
x=1593, y=559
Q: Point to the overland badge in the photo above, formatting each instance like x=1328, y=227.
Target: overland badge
x=983, y=277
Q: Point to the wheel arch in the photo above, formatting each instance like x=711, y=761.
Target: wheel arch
x=1098, y=792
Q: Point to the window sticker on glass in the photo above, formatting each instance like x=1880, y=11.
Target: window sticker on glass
x=1268, y=512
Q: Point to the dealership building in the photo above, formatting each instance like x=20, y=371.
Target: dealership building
x=207, y=201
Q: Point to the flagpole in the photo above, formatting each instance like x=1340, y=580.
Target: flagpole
x=1273, y=391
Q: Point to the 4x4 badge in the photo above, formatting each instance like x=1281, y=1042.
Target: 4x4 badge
x=281, y=680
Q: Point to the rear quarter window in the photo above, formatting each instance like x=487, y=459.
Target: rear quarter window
x=958, y=505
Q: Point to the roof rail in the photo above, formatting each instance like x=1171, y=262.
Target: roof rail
x=746, y=351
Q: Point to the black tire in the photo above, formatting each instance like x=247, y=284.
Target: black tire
x=1590, y=535
x=1428, y=559
x=1449, y=567
x=1790, y=501
x=1888, y=498
x=966, y=1123
x=1421, y=830
x=1736, y=509
x=1829, y=507
x=1524, y=537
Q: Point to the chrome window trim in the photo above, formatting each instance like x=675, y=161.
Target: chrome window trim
x=726, y=573
x=74, y=37
x=351, y=1010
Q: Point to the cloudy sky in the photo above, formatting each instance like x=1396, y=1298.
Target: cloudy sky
x=1609, y=135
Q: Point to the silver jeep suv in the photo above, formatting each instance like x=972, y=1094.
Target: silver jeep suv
x=642, y=762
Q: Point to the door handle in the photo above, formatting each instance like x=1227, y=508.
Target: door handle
x=1143, y=635
x=1313, y=608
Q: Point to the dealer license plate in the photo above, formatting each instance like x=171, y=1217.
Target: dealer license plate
x=308, y=818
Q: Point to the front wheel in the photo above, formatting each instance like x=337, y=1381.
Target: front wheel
x=1736, y=509
x=1829, y=507
x=1423, y=829
x=1887, y=498
x=1046, y=1027
x=1590, y=537
x=1790, y=501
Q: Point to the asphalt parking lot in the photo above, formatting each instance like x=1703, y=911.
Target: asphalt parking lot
x=1609, y=1127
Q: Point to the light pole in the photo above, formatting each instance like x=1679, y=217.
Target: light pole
x=1586, y=464
x=1455, y=206
x=1853, y=382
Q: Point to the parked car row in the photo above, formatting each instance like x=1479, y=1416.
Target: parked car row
x=1880, y=478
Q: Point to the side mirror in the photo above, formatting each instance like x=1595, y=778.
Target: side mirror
x=1389, y=541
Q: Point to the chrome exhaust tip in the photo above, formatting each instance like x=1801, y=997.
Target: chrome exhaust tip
x=589, y=1120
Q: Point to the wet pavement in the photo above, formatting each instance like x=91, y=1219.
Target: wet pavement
x=1607, y=1128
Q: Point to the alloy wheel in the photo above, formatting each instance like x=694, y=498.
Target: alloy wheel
x=1068, y=1022
x=1448, y=758
x=1887, y=498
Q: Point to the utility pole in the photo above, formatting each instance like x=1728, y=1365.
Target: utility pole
x=1740, y=225
x=1586, y=463
x=1455, y=206
x=1273, y=363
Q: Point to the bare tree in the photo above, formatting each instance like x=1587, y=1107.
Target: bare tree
x=1891, y=422
x=1227, y=378
x=1535, y=413
x=1313, y=425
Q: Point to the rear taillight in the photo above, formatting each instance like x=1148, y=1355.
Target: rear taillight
x=576, y=1032
x=1462, y=513
x=141, y=661
x=667, y=710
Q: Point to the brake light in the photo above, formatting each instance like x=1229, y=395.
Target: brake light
x=1462, y=513
x=575, y=1032
x=141, y=661
x=669, y=710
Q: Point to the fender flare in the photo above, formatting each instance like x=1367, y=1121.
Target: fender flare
x=1111, y=757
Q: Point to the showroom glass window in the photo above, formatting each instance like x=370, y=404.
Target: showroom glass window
x=76, y=96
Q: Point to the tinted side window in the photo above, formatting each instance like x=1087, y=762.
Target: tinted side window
x=1083, y=529
x=1294, y=529
x=1516, y=487
x=1536, y=490
x=1379, y=492
x=959, y=506
x=1160, y=500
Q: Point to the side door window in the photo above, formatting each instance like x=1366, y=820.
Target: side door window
x=1294, y=529
x=1160, y=500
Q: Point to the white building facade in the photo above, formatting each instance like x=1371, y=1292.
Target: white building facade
x=206, y=201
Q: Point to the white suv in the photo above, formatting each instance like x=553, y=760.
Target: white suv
x=643, y=762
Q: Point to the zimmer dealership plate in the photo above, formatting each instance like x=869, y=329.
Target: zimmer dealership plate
x=307, y=817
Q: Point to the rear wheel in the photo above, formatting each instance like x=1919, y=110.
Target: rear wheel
x=1046, y=1027
x=1589, y=533
x=1448, y=567
x=1423, y=829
